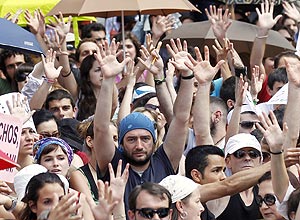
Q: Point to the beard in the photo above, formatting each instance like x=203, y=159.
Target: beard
x=134, y=162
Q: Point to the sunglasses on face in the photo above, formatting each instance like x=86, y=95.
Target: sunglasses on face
x=149, y=213
x=253, y=154
x=268, y=199
x=248, y=124
x=151, y=106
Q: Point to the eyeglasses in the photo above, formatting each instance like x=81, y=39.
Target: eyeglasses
x=253, y=154
x=268, y=199
x=149, y=213
x=47, y=135
x=266, y=156
x=248, y=124
x=151, y=106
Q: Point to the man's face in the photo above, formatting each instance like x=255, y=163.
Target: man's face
x=268, y=212
x=215, y=169
x=99, y=36
x=87, y=48
x=243, y=161
x=138, y=146
x=247, y=122
x=276, y=87
x=154, y=202
x=12, y=63
x=62, y=108
x=290, y=60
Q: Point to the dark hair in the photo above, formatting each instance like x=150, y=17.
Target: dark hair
x=197, y=158
x=227, y=90
x=265, y=177
x=59, y=94
x=219, y=103
x=48, y=149
x=23, y=71
x=293, y=202
x=282, y=55
x=33, y=187
x=278, y=75
x=77, y=53
x=87, y=99
x=135, y=41
x=41, y=116
x=152, y=188
x=87, y=29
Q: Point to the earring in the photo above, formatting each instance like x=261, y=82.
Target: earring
x=183, y=215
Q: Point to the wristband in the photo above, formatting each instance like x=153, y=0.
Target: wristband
x=13, y=205
x=188, y=77
x=262, y=37
x=159, y=81
x=276, y=153
x=239, y=71
x=68, y=74
x=50, y=81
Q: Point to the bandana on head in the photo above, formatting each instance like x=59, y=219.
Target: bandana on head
x=40, y=145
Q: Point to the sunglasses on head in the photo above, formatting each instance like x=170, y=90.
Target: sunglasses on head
x=268, y=199
x=149, y=213
x=253, y=154
x=248, y=124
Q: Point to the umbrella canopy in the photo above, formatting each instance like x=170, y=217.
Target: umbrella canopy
x=6, y=162
x=241, y=34
x=16, y=38
x=110, y=8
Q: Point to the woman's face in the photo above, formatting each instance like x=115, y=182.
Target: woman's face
x=26, y=141
x=56, y=161
x=48, y=129
x=49, y=196
x=291, y=25
x=193, y=206
x=130, y=50
x=95, y=75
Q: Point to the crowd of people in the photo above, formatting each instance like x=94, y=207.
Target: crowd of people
x=138, y=129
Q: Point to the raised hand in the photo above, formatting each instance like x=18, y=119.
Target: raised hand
x=118, y=181
x=19, y=108
x=161, y=24
x=234, y=59
x=107, y=59
x=293, y=73
x=179, y=53
x=50, y=71
x=220, y=23
x=221, y=52
x=291, y=11
x=202, y=69
x=240, y=95
x=272, y=131
x=36, y=22
x=257, y=79
x=62, y=28
x=104, y=209
x=265, y=16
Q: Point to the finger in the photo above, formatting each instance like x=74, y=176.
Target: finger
x=170, y=50
x=119, y=168
x=198, y=54
x=206, y=53
x=111, y=171
x=174, y=47
x=179, y=46
x=185, y=46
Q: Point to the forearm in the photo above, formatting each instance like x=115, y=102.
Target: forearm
x=39, y=97
x=125, y=104
x=233, y=126
x=236, y=183
x=258, y=48
x=201, y=114
x=171, y=89
x=225, y=71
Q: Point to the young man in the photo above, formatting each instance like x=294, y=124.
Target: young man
x=61, y=104
x=150, y=201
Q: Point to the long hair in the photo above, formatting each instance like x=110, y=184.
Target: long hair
x=87, y=99
x=33, y=187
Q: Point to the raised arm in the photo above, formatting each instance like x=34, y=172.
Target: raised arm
x=265, y=23
x=110, y=67
x=204, y=74
x=292, y=112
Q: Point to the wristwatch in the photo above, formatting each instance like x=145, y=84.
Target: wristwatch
x=44, y=215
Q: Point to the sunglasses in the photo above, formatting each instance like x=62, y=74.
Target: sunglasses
x=70, y=47
x=248, y=124
x=268, y=199
x=151, y=106
x=47, y=135
x=149, y=213
x=253, y=154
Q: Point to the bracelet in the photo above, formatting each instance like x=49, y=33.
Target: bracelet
x=262, y=37
x=119, y=216
x=13, y=205
x=277, y=153
x=68, y=74
x=188, y=77
x=159, y=81
x=50, y=81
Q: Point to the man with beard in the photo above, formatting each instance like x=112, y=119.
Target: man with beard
x=137, y=135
